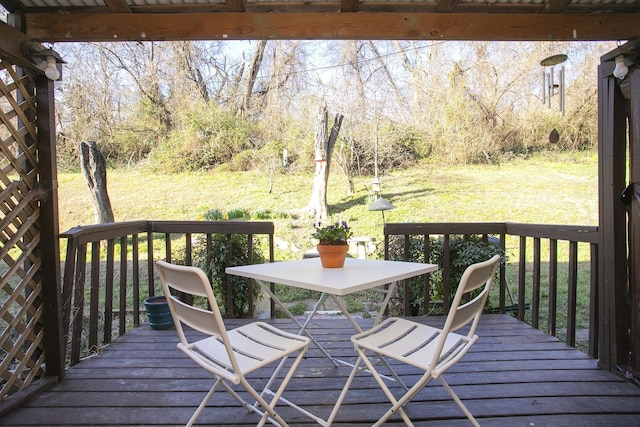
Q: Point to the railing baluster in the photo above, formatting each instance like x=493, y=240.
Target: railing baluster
x=503, y=274
x=406, y=302
x=167, y=247
x=446, y=274
x=230, y=312
x=522, y=270
x=209, y=257
x=593, y=303
x=123, y=286
x=150, y=268
x=108, y=292
x=95, y=293
x=426, y=293
x=572, y=287
x=135, y=261
x=250, y=261
x=68, y=283
x=553, y=285
x=188, y=252
x=535, y=296
x=78, y=303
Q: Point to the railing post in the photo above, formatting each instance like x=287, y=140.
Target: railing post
x=553, y=286
x=522, y=271
x=594, y=315
x=77, y=311
x=150, y=267
x=108, y=292
x=535, y=292
x=572, y=285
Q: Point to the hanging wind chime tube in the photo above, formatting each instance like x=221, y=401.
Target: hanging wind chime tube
x=549, y=85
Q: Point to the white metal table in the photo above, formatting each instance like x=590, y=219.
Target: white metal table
x=356, y=275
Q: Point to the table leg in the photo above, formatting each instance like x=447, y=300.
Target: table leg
x=383, y=307
x=303, y=327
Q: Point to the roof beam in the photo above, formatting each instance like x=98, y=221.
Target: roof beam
x=349, y=5
x=446, y=6
x=55, y=27
x=11, y=46
x=555, y=6
x=235, y=5
x=118, y=6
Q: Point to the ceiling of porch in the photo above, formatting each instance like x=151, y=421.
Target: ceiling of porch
x=102, y=20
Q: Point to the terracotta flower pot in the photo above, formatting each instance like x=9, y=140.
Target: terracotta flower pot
x=332, y=256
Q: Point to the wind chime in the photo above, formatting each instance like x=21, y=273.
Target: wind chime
x=553, y=85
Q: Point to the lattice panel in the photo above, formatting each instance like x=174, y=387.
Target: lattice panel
x=21, y=340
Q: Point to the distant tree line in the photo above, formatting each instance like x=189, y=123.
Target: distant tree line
x=176, y=106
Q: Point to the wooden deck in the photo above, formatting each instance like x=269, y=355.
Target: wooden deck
x=514, y=376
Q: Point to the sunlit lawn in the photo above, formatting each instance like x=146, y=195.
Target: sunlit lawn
x=548, y=188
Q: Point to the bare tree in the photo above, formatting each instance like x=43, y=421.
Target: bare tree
x=143, y=62
x=390, y=80
x=95, y=175
x=254, y=68
x=188, y=64
x=323, y=148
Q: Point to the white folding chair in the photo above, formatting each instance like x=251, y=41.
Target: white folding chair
x=229, y=355
x=429, y=349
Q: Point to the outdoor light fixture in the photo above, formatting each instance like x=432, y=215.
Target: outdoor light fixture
x=621, y=69
x=45, y=59
x=381, y=204
x=52, y=71
x=375, y=186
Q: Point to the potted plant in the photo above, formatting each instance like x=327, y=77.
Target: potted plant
x=333, y=243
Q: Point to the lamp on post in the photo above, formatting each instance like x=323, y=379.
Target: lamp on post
x=381, y=204
x=375, y=186
x=45, y=59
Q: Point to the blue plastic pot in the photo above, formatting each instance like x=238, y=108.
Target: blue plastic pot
x=158, y=312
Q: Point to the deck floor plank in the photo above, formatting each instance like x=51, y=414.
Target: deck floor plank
x=514, y=376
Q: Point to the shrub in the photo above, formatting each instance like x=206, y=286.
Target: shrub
x=238, y=213
x=463, y=251
x=227, y=251
x=218, y=260
x=213, y=215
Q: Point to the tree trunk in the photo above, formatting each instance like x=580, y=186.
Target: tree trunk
x=323, y=150
x=254, y=67
x=95, y=174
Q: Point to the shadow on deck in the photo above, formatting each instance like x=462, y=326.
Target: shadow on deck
x=514, y=376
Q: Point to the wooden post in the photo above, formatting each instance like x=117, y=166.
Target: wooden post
x=612, y=302
x=49, y=230
x=634, y=220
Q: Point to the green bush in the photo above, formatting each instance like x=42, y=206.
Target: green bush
x=463, y=251
x=207, y=136
x=238, y=213
x=217, y=261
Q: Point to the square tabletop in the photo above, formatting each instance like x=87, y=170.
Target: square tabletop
x=356, y=275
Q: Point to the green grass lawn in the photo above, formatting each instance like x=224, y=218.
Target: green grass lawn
x=547, y=188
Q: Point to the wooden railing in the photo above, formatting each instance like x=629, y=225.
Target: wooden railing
x=109, y=287
x=531, y=282
x=109, y=270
